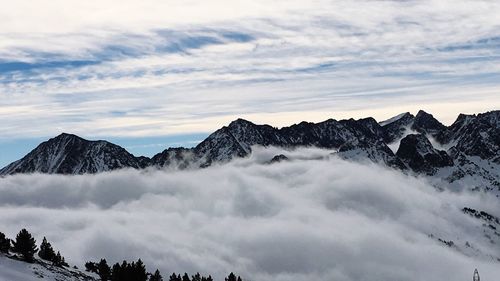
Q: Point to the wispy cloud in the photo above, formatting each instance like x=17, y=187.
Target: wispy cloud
x=189, y=67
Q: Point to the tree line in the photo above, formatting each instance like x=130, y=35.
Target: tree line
x=25, y=247
x=136, y=271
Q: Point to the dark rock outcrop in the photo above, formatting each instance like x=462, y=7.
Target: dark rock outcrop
x=417, y=152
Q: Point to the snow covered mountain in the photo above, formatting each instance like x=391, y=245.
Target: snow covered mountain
x=348, y=136
x=70, y=154
x=403, y=124
x=467, y=152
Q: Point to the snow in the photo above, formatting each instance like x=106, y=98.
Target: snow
x=15, y=270
x=393, y=119
x=394, y=146
x=12, y=270
x=478, y=173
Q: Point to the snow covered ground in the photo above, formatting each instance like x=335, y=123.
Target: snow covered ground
x=15, y=270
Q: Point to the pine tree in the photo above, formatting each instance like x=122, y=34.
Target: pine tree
x=139, y=270
x=91, y=267
x=4, y=243
x=210, y=278
x=46, y=251
x=103, y=270
x=117, y=273
x=174, y=277
x=185, y=277
x=231, y=277
x=156, y=276
x=63, y=261
x=25, y=245
x=196, y=277
x=58, y=260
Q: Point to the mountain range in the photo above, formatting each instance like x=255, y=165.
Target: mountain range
x=466, y=152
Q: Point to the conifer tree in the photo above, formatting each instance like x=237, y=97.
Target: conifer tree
x=4, y=243
x=117, y=273
x=63, y=261
x=196, y=277
x=139, y=271
x=58, y=260
x=232, y=277
x=103, y=270
x=46, y=251
x=25, y=245
x=185, y=277
x=174, y=277
x=156, y=276
x=91, y=267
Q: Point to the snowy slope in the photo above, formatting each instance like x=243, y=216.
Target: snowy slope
x=15, y=270
x=393, y=119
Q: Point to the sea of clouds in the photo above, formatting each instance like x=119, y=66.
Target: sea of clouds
x=316, y=217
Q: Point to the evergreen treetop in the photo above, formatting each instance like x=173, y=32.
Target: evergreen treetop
x=156, y=276
x=25, y=245
x=4, y=243
x=46, y=251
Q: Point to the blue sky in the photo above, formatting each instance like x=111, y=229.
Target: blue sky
x=152, y=74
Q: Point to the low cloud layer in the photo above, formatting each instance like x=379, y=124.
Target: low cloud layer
x=316, y=219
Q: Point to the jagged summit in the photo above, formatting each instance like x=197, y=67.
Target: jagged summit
x=475, y=135
x=426, y=123
x=403, y=124
x=395, y=128
x=404, y=115
x=471, y=147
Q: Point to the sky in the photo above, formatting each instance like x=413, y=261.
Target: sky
x=152, y=74
x=297, y=220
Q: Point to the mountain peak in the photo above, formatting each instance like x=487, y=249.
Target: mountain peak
x=240, y=121
x=66, y=136
x=422, y=113
x=401, y=116
x=426, y=123
x=71, y=154
x=396, y=127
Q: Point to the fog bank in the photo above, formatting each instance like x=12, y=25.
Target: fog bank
x=316, y=217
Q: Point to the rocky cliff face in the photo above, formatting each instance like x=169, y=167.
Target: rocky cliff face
x=474, y=135
x=418, y=154
x=401, y=125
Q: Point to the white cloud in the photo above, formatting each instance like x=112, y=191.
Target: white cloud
x=313, y=59
x=300, y=220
